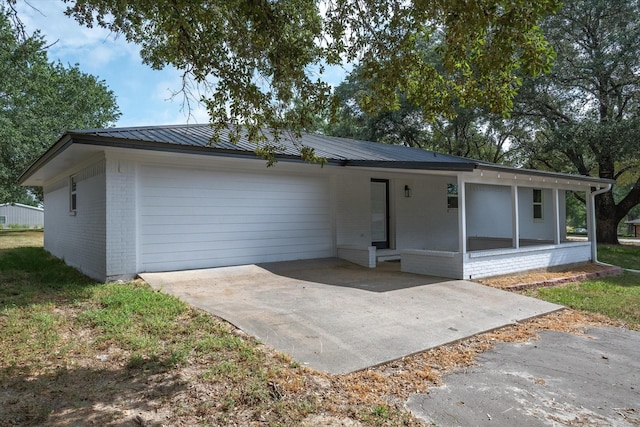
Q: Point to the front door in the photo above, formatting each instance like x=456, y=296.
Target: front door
x=380, y=213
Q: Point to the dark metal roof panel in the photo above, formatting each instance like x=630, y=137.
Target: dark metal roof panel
x=332, y=148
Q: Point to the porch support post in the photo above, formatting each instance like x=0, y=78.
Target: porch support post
x=556, y=215
x=462, y=216
x=515, y=224
x=590, y=211
x=591, y=214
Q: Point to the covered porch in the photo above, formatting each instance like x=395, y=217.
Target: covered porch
x=492, y=222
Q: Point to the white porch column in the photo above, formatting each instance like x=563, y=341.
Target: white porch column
x=515, y=222
x=462, y=215
x=556, y=215
x=591, y=218
x=590, y=213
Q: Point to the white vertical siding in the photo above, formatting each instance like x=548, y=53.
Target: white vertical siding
x=195, y=218
x=423, y=220
x=78, y=239
x=21, y=215
x=536, y=229
x=353, y=210
x=489, y=212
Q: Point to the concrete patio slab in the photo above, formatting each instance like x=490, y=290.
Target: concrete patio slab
x=338, y=317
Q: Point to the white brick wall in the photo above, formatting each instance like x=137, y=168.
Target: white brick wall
x=121, y=216
x=432, y=263
x=365, y=257
x=492, y=263
x=78, y=239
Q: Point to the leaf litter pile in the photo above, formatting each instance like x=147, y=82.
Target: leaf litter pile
x=542, y=278
x=206, y=372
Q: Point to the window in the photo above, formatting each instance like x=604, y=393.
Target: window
x=538, y=207
x=452, y=196
x=72, y=194
x=3, y=219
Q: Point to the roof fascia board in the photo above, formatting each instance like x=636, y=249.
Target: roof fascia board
x=469, y=166
x=407, y=164
x=553, y=175
x=61, y=145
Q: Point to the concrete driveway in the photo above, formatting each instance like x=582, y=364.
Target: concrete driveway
x=559, y=380
x=337, y=317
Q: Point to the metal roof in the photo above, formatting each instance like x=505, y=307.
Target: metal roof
x=198, y=139
x=334, y=149
x=20, y=205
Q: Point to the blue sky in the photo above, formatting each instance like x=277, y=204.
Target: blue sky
x=143, y=94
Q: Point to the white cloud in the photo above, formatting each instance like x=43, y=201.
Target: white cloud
x=70, y=42
x=144, y=95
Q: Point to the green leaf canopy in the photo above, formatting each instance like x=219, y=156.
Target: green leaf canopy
x=39, y=100
x=261, y=61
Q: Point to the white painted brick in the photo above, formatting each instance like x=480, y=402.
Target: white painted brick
x=492, y=263
x=365, y=257
x=78, y=239
x=121, y=218
x=487, y=264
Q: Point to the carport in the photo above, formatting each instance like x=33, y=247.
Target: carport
x=338, y=317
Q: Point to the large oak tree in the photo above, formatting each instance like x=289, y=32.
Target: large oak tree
x=39, y=100
x=260, y=62
x=586, y=110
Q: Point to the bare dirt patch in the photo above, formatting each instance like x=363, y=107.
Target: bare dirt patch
x=92, y=383
x=17, y=239
x=97, y=387
x=94, y=391
x=537, y=279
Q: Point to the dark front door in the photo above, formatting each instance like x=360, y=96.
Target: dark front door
x=380, y=213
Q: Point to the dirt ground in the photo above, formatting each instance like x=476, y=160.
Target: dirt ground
x=97, y=387
x=101, y=390
x=533, y=279
x=96, y=390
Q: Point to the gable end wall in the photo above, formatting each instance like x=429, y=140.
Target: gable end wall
x=78, y=239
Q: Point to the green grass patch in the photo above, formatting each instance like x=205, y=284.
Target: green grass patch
x=625, y=256
x=29, y=275
x=11, y=239
x=617, y=297
x=50, y=311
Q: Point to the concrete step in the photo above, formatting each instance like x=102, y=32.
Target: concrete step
x=387, y=255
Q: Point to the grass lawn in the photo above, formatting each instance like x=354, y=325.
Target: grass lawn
x=625, y=256
x=617, y=297
x=77, y=352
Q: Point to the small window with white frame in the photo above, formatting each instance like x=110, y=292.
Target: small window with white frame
x=73, y=201
x=538, y=205
x=452, y=196
x=3, y=219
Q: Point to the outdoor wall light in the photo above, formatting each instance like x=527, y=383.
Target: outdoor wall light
x=407, y=191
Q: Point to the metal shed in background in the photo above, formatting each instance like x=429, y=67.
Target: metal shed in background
x=635, y=223
x=22, y=216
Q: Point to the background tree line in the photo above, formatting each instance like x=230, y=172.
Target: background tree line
x=581, y=117
x=39, y=100
x=525, y=83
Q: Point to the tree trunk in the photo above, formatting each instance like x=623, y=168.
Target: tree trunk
x=606, y=224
